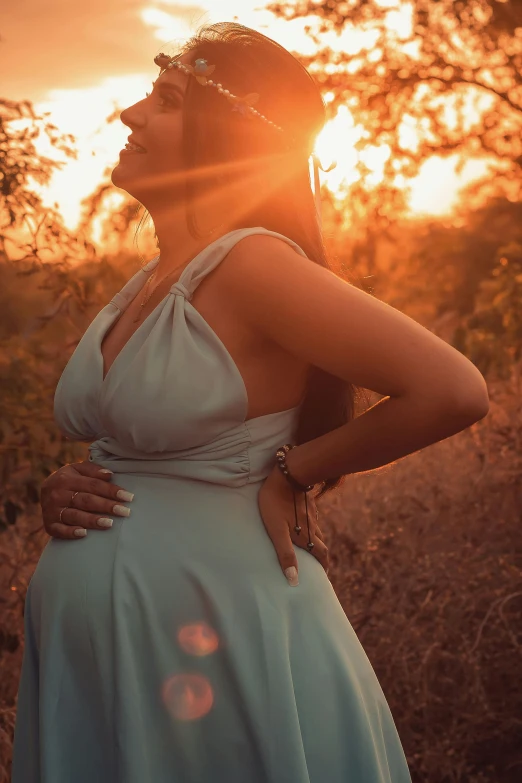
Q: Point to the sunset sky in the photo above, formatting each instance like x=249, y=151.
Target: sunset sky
x=81, y=61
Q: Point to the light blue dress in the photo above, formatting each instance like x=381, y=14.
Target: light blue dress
x=170, y=648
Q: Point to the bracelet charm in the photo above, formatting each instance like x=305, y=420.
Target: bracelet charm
x=281, y=462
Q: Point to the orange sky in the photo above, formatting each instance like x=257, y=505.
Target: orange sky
x=81, y=61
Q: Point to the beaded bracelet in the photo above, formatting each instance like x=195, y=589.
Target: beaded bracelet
x=281, y=462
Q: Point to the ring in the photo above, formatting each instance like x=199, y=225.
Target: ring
x=63, y=509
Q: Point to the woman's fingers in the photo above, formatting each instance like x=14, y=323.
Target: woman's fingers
x=285, y=552
x=59, y=530
x=279, y=507
x=270, y=500
x=85, y=511
x=85, y=497
x=301, y=539
x=87, y=468
x=319, y=550
x=73, y=481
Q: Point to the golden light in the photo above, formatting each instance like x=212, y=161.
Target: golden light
x=399, y=19
x=336, y=143
x=435, y=191
x=82, y=113
x=374, y=157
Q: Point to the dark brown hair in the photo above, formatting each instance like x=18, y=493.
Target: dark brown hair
x=249, y=62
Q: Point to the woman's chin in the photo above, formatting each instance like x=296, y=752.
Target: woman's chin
x=122, y=174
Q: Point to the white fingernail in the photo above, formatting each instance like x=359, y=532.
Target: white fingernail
x=122, y=494
x=104, y=470
x=105, y=522
x=80, y=532
x=291, y=575
x=121, y=510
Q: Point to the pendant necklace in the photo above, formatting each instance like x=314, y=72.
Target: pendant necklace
x=147, y=296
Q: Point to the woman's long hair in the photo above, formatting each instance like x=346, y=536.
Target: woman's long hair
x=249, y=62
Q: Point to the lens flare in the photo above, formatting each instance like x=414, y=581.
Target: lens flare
x=198, y=639
x=187, y=697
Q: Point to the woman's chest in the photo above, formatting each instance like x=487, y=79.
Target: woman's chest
x=274, y=380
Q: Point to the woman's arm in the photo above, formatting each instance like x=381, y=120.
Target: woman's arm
x=430, y=390
x=389, y=430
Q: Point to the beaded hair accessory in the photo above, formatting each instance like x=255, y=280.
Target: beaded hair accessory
x=244, y=105
x=201, y=70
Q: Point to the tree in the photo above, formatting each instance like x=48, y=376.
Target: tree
x=43, y=295
x=425, y=64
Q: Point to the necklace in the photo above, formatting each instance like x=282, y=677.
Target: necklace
x=147, y=296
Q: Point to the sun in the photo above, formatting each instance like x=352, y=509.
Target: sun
x=434, y=191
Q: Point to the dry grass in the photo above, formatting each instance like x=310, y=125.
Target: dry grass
x=426, y=560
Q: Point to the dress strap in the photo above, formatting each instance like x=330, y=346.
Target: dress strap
x=212, y=255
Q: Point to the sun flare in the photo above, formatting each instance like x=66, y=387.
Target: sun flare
x=344, y=146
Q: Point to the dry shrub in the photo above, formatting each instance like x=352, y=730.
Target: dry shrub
x=426, y=561
x=20, y=547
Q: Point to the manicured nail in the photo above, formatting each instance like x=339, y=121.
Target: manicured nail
x=80, y=532
x=104, y=470
x=105, y=522
x=291, y=575
x=122, y=494
x=123, y=511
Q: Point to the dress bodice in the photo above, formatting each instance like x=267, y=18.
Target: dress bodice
x=173, y=401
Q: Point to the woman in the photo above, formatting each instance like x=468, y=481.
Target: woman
x=169, y=647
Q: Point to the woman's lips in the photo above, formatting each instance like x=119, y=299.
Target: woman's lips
x=125, y=151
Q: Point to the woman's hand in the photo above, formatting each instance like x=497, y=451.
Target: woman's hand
x=276, y=504
x=95, y=499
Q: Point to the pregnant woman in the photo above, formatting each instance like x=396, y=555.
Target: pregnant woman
x=196, y=638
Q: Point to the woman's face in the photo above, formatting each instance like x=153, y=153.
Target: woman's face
x=156, y=123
